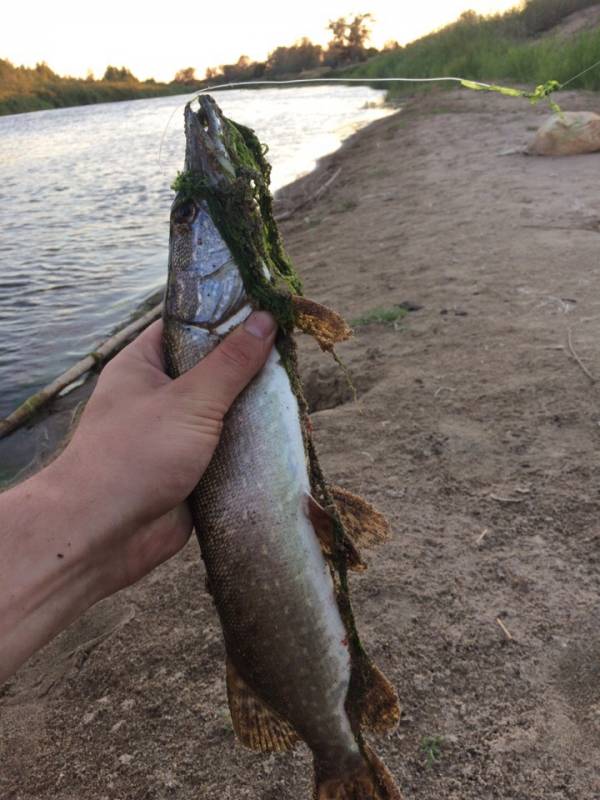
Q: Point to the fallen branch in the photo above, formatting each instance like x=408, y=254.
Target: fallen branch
x=499, y=499
x=505, y=630
x=576, y=357
x=36, y=401
x=311, y=199
x=482, y=536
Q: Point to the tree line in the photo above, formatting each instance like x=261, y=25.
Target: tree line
x=348, y=45
x=33, y=88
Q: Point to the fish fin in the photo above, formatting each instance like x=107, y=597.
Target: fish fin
x=327, y=326
x=370, y=781
x=364, y=524
x=379, y=706
x=255, y=724
x=324, y=525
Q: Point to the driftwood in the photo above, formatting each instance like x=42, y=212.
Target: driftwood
x=33, y=403
x=310, y=199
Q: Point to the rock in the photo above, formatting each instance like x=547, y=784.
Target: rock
x=571, y=133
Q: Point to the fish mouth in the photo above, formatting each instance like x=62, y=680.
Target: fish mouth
x=206, y=153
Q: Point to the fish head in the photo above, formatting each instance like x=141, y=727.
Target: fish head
x=206, y=152
x=204, y=286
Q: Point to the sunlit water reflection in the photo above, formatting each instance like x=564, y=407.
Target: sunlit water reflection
x=84, y=206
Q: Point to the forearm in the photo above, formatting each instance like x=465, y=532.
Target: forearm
x=47, y=577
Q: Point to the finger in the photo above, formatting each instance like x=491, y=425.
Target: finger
x=147, y=347
x=222, y=375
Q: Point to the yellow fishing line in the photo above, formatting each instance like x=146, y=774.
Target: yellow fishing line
x=543, y=91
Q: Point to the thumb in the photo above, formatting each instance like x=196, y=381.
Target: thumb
x=221, y=376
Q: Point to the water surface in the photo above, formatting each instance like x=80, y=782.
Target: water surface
x=84, y=207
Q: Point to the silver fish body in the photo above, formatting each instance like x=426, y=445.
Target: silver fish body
x=287, y=644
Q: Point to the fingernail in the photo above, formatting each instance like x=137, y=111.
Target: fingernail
x=260, y=324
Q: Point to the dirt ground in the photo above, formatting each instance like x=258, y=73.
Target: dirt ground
x=475, y=430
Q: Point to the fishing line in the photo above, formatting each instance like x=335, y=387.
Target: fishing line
x=579, y=74
x=542, y=91
x=238, y=84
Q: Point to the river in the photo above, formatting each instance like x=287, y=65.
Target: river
x=84, y=207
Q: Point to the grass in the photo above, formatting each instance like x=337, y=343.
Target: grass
x=379, y=316
x=497, y=48
x=431, y=747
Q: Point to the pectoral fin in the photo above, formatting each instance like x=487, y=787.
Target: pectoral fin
x=255, y=724
x=363, y=523
x=324, y=525
x=327, y=327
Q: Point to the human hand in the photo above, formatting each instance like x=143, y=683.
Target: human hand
x=144, y=441
x=111, y=506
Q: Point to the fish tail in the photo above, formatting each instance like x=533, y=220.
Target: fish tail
x=371, y=781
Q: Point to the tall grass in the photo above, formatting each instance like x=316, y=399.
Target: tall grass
x=495, y=48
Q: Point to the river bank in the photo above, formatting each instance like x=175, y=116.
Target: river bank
x=475, y=430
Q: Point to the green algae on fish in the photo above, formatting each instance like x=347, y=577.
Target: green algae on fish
x=276, y=538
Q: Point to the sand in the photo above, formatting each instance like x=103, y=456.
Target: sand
x=475, y=430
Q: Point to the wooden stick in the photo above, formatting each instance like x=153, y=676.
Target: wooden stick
x=507, y=633
x=501, y=499
x=33, y=403
x=321, y=190
x=482, y=535
x=576, y=357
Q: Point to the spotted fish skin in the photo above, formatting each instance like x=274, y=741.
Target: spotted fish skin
x=286, y=642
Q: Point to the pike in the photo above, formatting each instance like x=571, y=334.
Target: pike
x=276, y=538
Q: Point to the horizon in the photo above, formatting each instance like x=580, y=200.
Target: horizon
x=74, y=41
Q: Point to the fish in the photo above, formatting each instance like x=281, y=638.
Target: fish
x=276, y=538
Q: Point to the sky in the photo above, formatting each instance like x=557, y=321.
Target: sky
x=156, y=39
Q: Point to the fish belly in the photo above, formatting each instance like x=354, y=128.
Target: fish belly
x=269, y=579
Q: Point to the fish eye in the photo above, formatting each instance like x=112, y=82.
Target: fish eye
x=185, y=212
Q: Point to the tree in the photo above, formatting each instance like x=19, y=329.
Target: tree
x=43, y=71
x=243, y=70
x=297, y=58
x=211, y=73
x=349, y=39
x=118, y=75
x=186, y=75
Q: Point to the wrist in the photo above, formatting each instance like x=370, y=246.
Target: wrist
x=46, y=575
x=66, y=492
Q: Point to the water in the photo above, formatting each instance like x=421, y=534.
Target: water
x=84, y=207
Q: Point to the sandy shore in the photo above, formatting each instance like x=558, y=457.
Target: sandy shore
x=475, y=430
